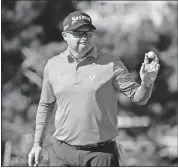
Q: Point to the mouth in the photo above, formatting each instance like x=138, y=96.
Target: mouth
x=84, y=42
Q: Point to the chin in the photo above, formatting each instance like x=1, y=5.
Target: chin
x=85, y=48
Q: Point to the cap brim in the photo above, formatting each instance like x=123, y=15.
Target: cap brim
x=92, y=26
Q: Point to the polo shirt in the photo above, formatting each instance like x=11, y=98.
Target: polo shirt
x=86, y=97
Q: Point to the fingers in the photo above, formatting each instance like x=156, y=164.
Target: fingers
x=153, y=65
x=142, y=69
x=156, y=59
x=157, y=67
x=37, y=158
x=34, y=158
x=30, y=159
x=146, y=59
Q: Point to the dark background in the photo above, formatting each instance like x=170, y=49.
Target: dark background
x=31, y=34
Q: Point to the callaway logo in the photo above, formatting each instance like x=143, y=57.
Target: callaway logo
x=75, y=18
x=91, y=76
x=66, y=27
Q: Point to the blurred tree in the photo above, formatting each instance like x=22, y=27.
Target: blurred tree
x=51, y=18
x=31, y=34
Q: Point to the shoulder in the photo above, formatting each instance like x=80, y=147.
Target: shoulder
x=109, y=57
x=57, y=59
x=106, y=58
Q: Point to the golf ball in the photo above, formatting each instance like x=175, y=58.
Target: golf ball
x=151, y=54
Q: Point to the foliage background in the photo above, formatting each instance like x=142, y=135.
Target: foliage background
x=31, y=34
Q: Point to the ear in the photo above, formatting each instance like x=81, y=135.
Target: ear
x=64, y=35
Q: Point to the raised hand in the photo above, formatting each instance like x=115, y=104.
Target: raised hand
x=149, y=71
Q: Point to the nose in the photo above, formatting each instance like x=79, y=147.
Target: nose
x=85, y=35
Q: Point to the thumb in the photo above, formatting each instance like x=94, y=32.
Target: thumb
x=37, y=157
x=146, y=59
x=142, y=70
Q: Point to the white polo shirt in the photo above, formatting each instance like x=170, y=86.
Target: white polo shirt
x=85, y=93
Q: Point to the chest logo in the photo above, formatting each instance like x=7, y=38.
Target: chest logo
x=91, y=76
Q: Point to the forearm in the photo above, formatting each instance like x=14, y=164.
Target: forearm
x=43, y=117
x=142, y=94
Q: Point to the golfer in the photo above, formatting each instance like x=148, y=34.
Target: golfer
x=84, y=82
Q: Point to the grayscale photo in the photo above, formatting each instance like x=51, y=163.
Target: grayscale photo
x=89, y=83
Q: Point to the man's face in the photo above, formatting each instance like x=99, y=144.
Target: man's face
x=80, y=39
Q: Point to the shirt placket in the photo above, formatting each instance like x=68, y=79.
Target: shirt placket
x=77, y=77
x=77, y=74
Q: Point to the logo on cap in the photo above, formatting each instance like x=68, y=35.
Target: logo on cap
x=75, y=18
x=66, y=27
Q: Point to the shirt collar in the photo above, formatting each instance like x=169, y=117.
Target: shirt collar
x=91, y=53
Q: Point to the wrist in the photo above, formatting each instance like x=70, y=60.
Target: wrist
x=146, y=85
x=37, y=144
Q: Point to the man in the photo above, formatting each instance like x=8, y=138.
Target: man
x=84, y=82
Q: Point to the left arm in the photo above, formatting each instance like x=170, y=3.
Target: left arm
x=125, y=83
x=148, y=74
x=142, y=94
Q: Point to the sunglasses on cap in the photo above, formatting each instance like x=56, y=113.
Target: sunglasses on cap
x=79, y=34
